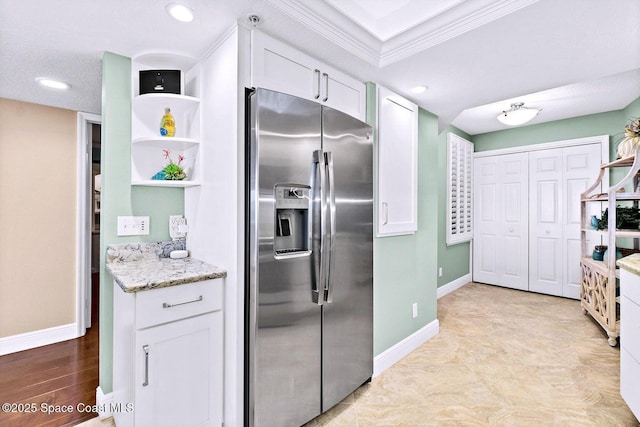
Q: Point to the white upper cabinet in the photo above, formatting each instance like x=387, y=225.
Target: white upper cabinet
x=397, y=201
x=277, y=66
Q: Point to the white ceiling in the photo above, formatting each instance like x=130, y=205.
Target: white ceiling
x=569, y=57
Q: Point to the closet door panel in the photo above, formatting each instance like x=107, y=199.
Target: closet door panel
x=487, y=269
x=545, y=223
x=581, y=164
x=515, y=216
x=486, y=222
x=501, y=211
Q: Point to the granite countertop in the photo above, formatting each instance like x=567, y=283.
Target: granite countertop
x=630, y=263
x=143, y=266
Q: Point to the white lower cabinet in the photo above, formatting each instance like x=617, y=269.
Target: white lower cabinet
x=630, y=340
x=168, y=357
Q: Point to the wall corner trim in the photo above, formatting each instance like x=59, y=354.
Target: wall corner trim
x=453, y=285
x=103, y=403
x=394, y=354
x=29, y=340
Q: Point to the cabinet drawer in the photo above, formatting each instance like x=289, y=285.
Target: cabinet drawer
x=164, y=305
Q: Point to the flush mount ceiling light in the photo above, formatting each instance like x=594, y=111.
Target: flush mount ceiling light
x=419, y=89
x=180, y=12
x=53, y=84
x=518, y=114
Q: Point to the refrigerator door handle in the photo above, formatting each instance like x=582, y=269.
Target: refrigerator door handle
x=318, y=227
x=331, y=196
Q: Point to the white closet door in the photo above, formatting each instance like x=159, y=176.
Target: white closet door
x=546, y=221
x=557, y=177
x=582, y=165
x=500, y=249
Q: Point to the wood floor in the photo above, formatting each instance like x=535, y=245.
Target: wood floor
x=62, y=374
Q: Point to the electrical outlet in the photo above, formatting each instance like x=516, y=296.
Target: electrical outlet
x=133, y=225
x=177, y=226
x=415, y=310
x=439, y=271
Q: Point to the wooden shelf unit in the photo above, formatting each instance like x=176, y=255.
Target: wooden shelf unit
x=598, y=289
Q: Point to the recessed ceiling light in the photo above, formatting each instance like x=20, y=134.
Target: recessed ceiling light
x=419, y=89
x=180, y=12
x=53, y=84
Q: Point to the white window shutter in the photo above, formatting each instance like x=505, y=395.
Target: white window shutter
x=459, y=189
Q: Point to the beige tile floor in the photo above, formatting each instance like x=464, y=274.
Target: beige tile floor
x=502, y=358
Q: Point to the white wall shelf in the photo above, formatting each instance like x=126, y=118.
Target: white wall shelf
x=147, y=150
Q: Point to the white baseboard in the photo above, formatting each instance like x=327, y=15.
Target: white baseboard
x=390, y=356
x=453, y=285
x=26, y=341
x=103, y=402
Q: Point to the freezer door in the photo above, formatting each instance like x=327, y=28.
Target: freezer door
x=347, y=351
x=283, y=323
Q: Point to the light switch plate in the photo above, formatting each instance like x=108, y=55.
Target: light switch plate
x=133, y=225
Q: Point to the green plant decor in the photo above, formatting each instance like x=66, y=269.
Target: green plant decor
x=173, y=171
x=626, y=219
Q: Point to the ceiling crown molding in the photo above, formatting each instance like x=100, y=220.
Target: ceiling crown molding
x=447, y=25
x=344, y=32
x=334, y=26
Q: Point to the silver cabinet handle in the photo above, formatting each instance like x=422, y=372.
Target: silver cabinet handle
x=145, y=348
x=331, y=196
x=318, y=216
x=385, y=205
x=167, y=305
x=317, y=73
x=326, y=87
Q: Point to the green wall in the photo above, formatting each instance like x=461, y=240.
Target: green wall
x=632, y=111
x=610, y=123
x=118, y=197
x=454, y=259
x=405, y=267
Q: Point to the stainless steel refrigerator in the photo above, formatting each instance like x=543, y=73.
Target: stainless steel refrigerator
x=309, y=258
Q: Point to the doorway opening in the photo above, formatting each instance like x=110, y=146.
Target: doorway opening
x=89, y=189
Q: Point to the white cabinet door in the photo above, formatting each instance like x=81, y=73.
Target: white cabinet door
x=178, y=373
x=557, y=177
x=500, y=248
x=277, y=66
x=397, y=204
